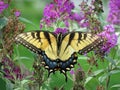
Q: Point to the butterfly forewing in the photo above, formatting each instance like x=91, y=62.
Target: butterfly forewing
x=39, y=41
x=78, y=42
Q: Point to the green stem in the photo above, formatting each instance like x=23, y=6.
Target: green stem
x=109, y=77
x=39, y=86
x=107, y=82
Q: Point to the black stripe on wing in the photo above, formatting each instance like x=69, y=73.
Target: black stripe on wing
x=96, y=44
x=28, y=45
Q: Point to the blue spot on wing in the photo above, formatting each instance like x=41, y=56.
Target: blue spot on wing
x=51, y=64
x=66, y=64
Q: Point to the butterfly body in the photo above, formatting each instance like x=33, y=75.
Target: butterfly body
x=59, y=52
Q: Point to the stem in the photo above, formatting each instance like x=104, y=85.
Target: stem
x=39, y=86
x=92, y=64
x=108, y=79
x=107, y=82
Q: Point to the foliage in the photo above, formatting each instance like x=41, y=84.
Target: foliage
x=21, y=69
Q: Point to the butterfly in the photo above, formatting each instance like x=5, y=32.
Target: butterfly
x=58, y=51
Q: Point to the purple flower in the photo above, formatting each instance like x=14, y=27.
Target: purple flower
x=2, y=6
x=61, y=30
x=50, y=11
x=59, y=10
x=16, y=70
x=66, y=23
x=41, y=26
x=11, y=69
x=6, y=70
x=65, y=6
x=84, y=23
x=114, y=12
x=110, y=36
x=17, y=13
x=72, y=72
x=77, y=17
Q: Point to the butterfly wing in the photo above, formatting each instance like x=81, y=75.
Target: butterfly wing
x=39, y=42
x=78, y=42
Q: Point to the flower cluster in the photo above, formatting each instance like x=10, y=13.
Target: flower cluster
x=58, y=8
x=60, y=12
x=3, y=6
x=79, y=79
x=17, y=13
x=114, y=13
x=11, y=71
x=61, y=30
x=111, y=37
x=13, y=27
x=89, y=15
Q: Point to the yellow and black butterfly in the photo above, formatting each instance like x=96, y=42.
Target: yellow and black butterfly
x=58, y=51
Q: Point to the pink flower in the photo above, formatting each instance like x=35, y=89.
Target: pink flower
x=72, y=72
x=114, y=12
x=111, y=37
x=61, y=30
x=3, y=6
x=17, y=13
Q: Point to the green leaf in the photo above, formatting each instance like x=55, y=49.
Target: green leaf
x=102, y=78
x=88, y=79
x=24, y=82
x=82, y=58
x=27, y=21
x=116, y=86
x=114, y=72
x=94, y=74
x=22, y=58
x=98, y=72
x=2, y=84
x=110, y=60
x=17, y=88
x=3, y=22
x=9, y=85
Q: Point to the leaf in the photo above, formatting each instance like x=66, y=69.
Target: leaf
x=94, y=74
x=114, y=72
x=22, y=58
x=110, y=60
x=88, y=79
x=98, y=72
x=24, y=82
x=27, y=21
x=2, y=84
x=3, y=22
x=9, y=85
x=82, y=58
x=102, y=78
x=116, y=86
x=17, y=88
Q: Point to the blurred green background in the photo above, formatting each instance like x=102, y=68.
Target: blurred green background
x=31, y=10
